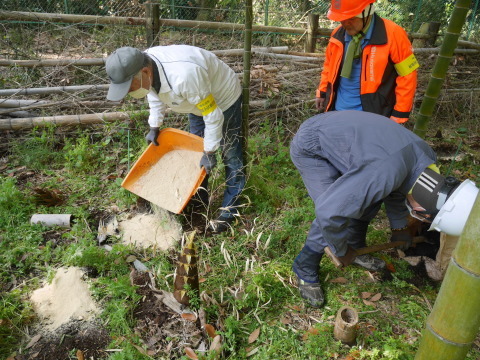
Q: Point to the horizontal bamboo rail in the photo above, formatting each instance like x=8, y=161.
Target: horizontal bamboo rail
x=101, y=61
x=437, y=49
x=190, y=24
x=70, y=19
x=52, y=90
x=10, y=103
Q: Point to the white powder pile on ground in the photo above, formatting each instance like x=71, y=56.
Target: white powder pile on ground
x=160, y=231
x=170, y=181
x=67, y=297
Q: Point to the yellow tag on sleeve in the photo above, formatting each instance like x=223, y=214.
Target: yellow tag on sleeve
x=207, y=105
x=407, y=66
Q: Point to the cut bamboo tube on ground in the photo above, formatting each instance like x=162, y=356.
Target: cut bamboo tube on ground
x=86, y=119
x=101, y=61
x=52, y=90
x=33, y=104
x=345, y=328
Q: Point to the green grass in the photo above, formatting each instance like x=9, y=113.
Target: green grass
x=249, y=274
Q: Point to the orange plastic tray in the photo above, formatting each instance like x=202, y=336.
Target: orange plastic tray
x=169, y=139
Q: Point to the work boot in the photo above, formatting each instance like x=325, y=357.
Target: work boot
x=370, y=262
x=312, y=292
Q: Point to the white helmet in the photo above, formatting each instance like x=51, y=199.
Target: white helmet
x=453, y=215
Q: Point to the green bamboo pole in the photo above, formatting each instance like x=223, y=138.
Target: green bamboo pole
x=440, y=68
x=454, y=321
x=247, y=55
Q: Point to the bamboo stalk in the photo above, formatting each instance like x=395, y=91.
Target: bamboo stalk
x=84, y=119
x=290, y=57
x=316, y=55
x=101, y=61
x=302, y=72
x=33, y=106
x=255, y=50
x=70, y=19
x=8, y=103
x=19, y=105
x=440, y=68
x=54, y=62
x=270, y=111
x=461, y=90
x=454, y=321
x=190, y=24
x=436, y=50
x=247, y=56
x=52, y=90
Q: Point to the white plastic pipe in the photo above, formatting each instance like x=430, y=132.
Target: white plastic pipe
x=61, y=220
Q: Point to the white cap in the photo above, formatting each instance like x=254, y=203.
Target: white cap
x=454, y=213
x=366, y=12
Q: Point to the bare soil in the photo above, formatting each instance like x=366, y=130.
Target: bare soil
x=89, y=339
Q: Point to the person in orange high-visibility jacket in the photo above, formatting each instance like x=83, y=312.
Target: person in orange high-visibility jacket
x=379, y=73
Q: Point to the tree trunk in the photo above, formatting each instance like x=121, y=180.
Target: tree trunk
x=206, y=10
x=431, y=29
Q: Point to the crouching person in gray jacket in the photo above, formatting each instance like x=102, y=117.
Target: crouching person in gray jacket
x=351, y=162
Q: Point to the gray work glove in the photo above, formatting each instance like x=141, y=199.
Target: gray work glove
x=402, y=235
x=208, y=161
x=153, y=135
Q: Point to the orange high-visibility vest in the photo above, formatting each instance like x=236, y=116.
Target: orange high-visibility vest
x=388, y=71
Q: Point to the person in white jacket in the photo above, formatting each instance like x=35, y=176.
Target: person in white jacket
x=189, y=80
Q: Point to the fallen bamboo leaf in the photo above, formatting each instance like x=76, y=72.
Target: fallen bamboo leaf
x=366, y=302
x=33, y=341
x=339, y=280
x=252, y=352
x=376, y=297
x=191, y=354
x=80, y=355
x=254, y=335
x=202, y=280
x=210, y=330
x=189, y=316
x=366, y=294
x=216, y=344
x=285, y=320
x=140, y=349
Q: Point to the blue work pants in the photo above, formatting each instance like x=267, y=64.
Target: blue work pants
x=232, y=156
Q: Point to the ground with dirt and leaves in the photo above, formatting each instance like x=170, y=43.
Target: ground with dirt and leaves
x=248, y=306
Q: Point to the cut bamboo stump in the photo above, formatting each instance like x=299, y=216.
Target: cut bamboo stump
x=345, y=328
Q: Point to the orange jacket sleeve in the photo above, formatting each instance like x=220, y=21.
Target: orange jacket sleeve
x=406, y=65
x=325, y=75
